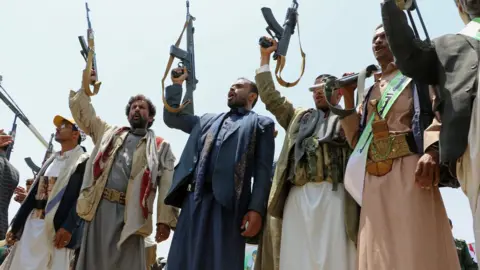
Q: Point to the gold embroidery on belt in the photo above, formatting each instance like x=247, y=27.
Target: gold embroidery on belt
x=384, y=147
x=114, y=196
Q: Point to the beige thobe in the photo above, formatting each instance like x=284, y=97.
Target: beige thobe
x=402, y=227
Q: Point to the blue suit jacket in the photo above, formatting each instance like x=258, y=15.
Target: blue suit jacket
x=260, y=167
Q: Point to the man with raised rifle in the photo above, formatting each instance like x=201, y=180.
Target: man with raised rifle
x=213, y=180
x=46, y=229
x=451, y=63
x=9, y=179
x=316, y=219
x=127, y=167
x=403, y=222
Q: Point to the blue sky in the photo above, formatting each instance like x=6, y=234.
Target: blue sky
x=40, y=59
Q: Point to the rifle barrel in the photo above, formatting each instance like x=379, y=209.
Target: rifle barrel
x=23, y=118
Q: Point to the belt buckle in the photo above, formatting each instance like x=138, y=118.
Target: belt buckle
x=189, y=187
x=115, y=196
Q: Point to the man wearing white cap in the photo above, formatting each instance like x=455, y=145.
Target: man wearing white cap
x=46, y=229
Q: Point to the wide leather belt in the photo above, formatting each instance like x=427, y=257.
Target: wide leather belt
x=383, y=151
x=316, y=179
x=114, y=196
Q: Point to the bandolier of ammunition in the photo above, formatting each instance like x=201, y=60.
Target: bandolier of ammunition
x=322, y=162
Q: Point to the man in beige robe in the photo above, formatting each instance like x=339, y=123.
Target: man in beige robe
x=403, y=222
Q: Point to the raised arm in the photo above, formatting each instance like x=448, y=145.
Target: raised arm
x=166, y=214
x=414, y=58
x=85, y=116
x=275, y=103
x=262, y=174
x=186, y=119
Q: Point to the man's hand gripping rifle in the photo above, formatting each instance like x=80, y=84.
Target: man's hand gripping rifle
x=409, y=6
x=187, y=62
x=282, y=36
x=330, y=84
x=88, y=53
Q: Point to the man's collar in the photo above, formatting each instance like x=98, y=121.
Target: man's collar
x=239, y=111
x=392, y=67
x=138, y=131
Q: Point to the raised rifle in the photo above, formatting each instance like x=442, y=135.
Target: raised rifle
x=187, y=62
x=409, y=6
x=330, y=84
x=20, y=115
x=35, y=169
x=282, y=36
x=12, y=133
x=88, y=53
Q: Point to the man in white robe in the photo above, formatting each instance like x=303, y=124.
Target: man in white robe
x=318, y=218
x=46, y=230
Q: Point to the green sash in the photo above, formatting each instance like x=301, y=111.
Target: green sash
x=472, y=29
x=394, y=88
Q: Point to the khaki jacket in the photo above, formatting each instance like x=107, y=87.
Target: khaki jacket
x=289, y=118
x=91, y=192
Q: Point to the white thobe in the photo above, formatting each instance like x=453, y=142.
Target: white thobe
x=313, y=232
x=32, y=250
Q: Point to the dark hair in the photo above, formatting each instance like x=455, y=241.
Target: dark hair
x=324, y=76
x=152, y=110
x=471, y=7
x=379, y=26
x=253, y=89
x=75, y=128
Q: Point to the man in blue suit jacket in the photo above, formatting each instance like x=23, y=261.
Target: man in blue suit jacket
x=212, y=181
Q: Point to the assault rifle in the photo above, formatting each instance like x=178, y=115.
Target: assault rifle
x=12, y=133
x=20, y=115
x=88, y=53
x=35, y=169
x=187, y=62
x=282, y=36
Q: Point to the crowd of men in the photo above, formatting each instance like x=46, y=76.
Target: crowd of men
x=353, y=188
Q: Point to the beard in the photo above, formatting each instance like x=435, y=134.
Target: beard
x=139, y=122
x=236, y=103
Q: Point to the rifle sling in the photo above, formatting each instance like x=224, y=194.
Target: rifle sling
x=167, y=71
x=281, y=64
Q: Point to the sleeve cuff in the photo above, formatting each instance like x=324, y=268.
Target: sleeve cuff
x=262, y=69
